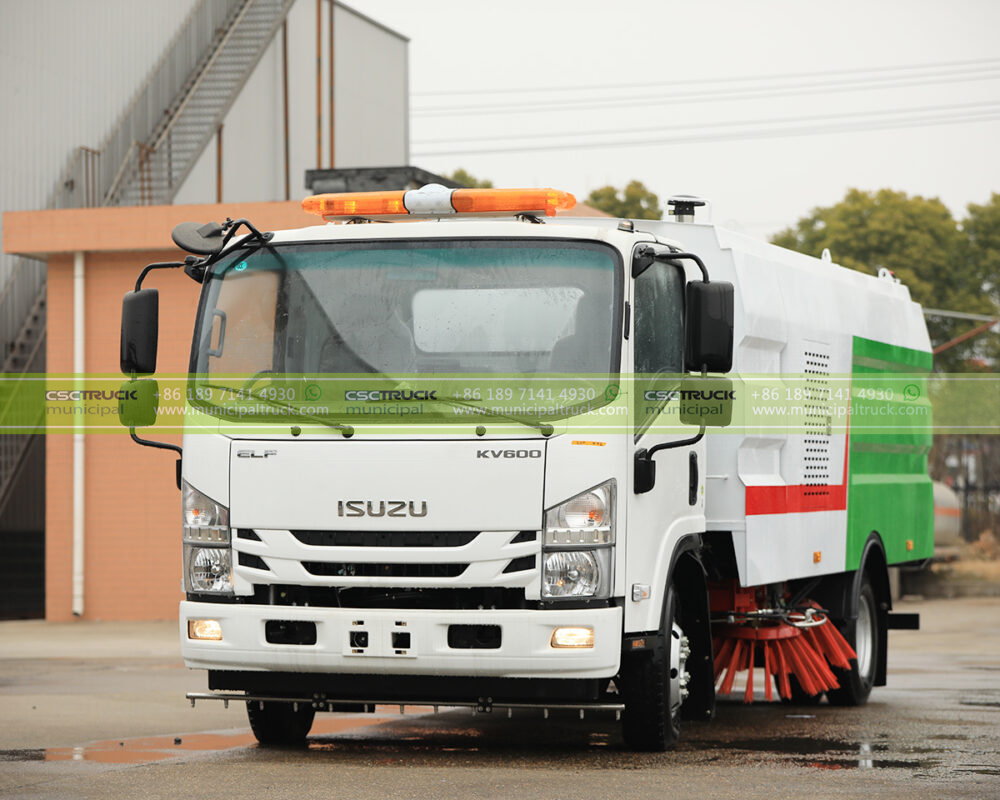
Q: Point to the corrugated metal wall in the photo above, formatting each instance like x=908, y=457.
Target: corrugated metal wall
x=67, y=71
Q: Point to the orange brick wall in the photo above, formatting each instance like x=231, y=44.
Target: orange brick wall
x=132, y=558
x=132, y=555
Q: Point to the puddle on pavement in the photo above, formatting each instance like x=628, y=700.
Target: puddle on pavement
x=788, y=745
x=156, y=748
x=822, y=753
x=865, y=763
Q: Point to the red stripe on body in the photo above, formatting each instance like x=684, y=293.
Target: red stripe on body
x=795, y=499
x=800, y=499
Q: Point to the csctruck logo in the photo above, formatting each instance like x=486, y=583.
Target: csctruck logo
x=381, y=508
x=656, y=395
x=495, y=454
x=377, y=395
x=64, y=395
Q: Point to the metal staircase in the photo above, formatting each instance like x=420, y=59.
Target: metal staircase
x=143, y=161
x=155, y=169
x=23, y=351
x=156, y=143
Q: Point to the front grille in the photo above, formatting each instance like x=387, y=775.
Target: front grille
x=365, y=570
x=520, y=564
x=250, y=560
x=385, y=538
x=485, y=597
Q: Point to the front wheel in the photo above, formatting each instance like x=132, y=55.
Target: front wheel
x=280, y=723
x=654, y=685
x=864, y=634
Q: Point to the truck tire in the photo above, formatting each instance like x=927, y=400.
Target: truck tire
x=865, y=636
x=280, y=723
x=653, y=687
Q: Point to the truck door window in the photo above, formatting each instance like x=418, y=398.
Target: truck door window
x=247, y=303
x=658, y=347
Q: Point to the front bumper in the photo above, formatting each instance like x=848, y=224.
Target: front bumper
x=525, y=650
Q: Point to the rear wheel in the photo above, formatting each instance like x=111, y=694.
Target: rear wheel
x=654, y=685
x=865, y=636
x=280, y=723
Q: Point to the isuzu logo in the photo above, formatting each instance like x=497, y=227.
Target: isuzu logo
x=381, y=508
x=508, y=454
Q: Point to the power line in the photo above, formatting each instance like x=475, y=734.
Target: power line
x=865, y=115
x=815, y=130
x=699, y=81
x=749, y=93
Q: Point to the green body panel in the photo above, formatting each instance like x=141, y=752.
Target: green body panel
x=889, y=490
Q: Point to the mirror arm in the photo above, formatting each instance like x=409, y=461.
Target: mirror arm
x=681, y=443
x=651, y=253
x=161, y=446
x=158, y=265
x=151, y=443
x=232, y=225
x=644, y=468
x=195, y=268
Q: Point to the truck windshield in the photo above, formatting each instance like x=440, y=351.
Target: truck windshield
x=413, y=308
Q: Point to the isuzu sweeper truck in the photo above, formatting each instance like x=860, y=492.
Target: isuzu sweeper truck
x=490, y=456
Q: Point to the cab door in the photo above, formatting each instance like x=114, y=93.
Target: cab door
x=675, y=506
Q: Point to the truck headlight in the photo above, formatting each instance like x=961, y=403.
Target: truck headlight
x=204, y=519
x=577, y=545
x=588, y=518
x=208, y=559
x=209, y=569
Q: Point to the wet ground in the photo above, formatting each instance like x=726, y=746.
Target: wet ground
x=98, y=711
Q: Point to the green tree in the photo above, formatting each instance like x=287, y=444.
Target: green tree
x=469, y=181
x=981, y=255
x=982, y=236
x=919, y=240
x=634, y=202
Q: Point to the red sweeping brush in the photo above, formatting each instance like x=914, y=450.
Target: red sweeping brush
x=805, y=652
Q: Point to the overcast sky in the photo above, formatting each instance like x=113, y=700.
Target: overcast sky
x=688, y=96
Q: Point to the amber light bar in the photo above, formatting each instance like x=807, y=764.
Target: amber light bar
x=435, y=200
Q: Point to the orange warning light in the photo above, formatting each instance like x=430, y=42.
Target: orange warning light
x=435, y=200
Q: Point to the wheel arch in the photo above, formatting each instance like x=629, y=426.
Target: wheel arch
x=689, y=577
x=838, y=594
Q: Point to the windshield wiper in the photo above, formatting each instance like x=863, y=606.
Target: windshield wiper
x=346, y=430
x=544, y=427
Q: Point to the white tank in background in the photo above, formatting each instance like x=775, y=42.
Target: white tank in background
x=947, y=516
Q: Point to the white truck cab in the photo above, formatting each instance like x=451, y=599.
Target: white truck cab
x=424, y=463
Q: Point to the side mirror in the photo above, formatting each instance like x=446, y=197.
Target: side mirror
x=644, y=477
x=709, y=327
x=205, y=239
x=137, y=403
x=707, y=402
x=140, y=325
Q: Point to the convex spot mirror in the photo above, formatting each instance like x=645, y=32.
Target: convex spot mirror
x=202, y=238
x=706, y=401
x=137, y=403
x=140, y=323
x=709, y=327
